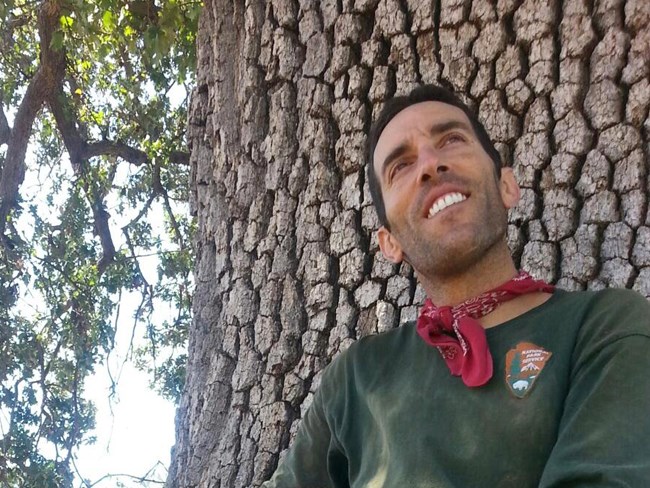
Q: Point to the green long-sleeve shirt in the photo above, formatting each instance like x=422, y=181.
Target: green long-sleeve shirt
x=389, y=414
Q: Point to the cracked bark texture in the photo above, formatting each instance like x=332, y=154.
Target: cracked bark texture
x=288, y=272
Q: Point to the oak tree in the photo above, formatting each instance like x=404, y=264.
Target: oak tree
x=287, y=268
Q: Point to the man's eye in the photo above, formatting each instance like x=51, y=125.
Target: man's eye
x=397, y=167
x=453, y=138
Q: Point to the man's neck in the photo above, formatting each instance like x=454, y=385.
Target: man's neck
x=494, y=270
x=485, y=275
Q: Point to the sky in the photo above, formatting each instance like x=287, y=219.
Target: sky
x=134, y=430
x=134, y=427
x=135, y=433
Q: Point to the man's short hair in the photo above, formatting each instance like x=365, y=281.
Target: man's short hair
x=424, y=93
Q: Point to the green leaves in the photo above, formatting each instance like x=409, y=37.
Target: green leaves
x=122, y=61
x=107, y=22
x=66, y=21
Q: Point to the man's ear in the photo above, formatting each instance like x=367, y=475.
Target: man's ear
x=389, y=246
x=509, y=188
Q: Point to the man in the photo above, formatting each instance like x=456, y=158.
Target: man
x=503, y=381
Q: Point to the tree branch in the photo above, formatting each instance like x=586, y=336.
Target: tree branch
x=44, y=81
x=77, y=147
x=179, y=157
x=5, y=130
x=141, y=214
x=65, y=122
x=13, y=170
x=139, y=479
x=104, y=232
x=7, y=37
x=160, y=189
x=121, y=150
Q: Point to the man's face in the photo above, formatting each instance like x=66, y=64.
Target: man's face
x=444, y=204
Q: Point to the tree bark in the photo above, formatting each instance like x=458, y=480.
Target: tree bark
x=288, y=272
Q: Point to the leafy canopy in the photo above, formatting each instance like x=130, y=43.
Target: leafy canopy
x=93, y=179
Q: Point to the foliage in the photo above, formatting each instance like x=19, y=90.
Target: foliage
x=89, y=86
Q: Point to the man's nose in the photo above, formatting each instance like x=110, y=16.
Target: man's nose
x=430, y=163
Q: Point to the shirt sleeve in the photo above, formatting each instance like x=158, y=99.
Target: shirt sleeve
x=315, y=459
x=604, y=433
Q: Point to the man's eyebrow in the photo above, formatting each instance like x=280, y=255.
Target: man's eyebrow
x=435, y=129
x=449, y=125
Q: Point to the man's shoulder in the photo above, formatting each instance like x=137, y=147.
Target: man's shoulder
x=615, y=301
x=605, y=299
x=377, y=346
x=372, y=354
x=623, y=296
x=612, y=314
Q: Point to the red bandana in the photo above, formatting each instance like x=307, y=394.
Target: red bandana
x=460, y=338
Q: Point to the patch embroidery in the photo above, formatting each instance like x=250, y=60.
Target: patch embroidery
x=524, y=363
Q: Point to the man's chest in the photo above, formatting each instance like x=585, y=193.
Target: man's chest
x=419, y=424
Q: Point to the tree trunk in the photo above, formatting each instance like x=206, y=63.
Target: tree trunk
x=288, y=272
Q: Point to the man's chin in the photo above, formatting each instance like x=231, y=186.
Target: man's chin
x=452, y=256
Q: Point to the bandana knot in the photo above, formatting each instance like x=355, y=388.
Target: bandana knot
x=458, y=335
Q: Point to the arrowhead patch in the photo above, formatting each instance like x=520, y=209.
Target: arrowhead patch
x=524, y=363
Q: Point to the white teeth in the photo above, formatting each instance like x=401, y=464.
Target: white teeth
x=445, y=201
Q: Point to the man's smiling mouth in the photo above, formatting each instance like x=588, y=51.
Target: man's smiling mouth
x=445, y=201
